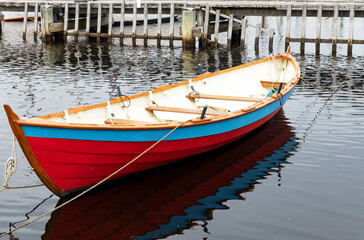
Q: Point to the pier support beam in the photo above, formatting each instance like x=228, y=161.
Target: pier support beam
x=188, y=23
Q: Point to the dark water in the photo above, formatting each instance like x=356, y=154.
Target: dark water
x=298, y=177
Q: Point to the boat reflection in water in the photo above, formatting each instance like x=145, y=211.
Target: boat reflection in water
x=166, y=201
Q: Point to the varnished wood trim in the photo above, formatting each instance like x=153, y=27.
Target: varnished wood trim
x=221, y=97
x=28, y=152
x=126, y=121
x=271, y=84
x=183, y=110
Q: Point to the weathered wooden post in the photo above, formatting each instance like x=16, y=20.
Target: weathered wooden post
x=334, y=29
x=99, y=16
x=145, y=25
x=303, y=28
x=318, y=29
x=206, y=26
x=217, y=26
x=243, y=32
x=159, y=27
x=1, y=23
x=36, y=9
x=188, y=23
x=171, y=26
x=65, y=23
x=47, y=19
x=257, y=35
x=351, y=31
x=133, y=31
x=109, y=28
x=77, y=21
x=25, y=21
x=88, y=21
x=122, y=18
x=271, y=36
x=288, y=25
x=230, y=30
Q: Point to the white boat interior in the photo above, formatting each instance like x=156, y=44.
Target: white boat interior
x=223, y=92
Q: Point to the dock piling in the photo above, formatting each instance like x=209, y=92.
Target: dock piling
x=1, y=23
x=109, y=28
x=159, y=27
x=145, y=26
x=351, y=31
x=171, y=26
x=230, y=30
x=98, y=30
x=206, y=26
x=122, y=18
x=217, y=25
x=36, y=11
x=303, y=28
x=47, y=19
x=288, y=25
x=88, y=20
x=133, y=32
x=318, y=29
x=25, y=21
x=257, y=34
x=334, y=29
x=65, y=24
x=77, y=21
x=244, y=24
x=271, y=36
x=188, y=23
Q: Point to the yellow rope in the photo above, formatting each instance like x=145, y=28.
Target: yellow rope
x=96, y=184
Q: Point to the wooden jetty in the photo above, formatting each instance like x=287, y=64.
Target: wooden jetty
x=201, y=19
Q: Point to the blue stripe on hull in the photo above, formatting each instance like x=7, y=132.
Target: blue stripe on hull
x=155, y=134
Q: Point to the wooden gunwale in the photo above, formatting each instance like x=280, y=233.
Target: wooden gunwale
x=20, y=136
x=42, y=121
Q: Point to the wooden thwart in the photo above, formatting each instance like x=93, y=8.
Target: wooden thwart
x=222, y=97
x=184, y=110
x=272, y=84
x=125, y=121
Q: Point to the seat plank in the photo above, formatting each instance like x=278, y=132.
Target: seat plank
x=183, y=110
x=222, y=97
x=271, y=84
x=125, y=121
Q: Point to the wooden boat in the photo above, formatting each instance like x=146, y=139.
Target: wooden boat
x=81, y=146
x=17, y=16
x=167, y=202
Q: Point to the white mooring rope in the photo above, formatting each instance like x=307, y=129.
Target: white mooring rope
x=10, y=166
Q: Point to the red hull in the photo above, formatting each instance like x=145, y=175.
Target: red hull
x=73, y=164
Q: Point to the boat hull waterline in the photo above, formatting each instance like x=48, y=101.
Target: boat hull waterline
x=70, y=155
